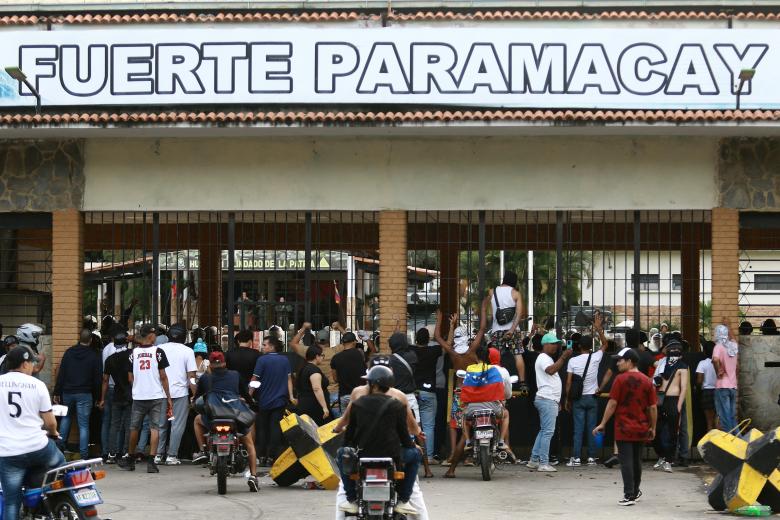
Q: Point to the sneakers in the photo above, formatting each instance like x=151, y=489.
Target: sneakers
x=546, y=468
x=532, y=464
x=611, y=461
x=626, y=501
x=667, y=467
x=638, y=495
x=172, y=461
x=659, y=464
x=198, y=457
x=254, y=485
x=405, y=508
x=591, y=461
x=151, y=467
x=127, y=463
x=349, y=507
x=111, y=458
x=158, y=459
x=554, y=461
x=573, y=463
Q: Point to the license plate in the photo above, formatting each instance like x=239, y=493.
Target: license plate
x=87, y=497
x=484, y=434
x=376, y=493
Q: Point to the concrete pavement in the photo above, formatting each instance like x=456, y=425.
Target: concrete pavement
x=188, y=493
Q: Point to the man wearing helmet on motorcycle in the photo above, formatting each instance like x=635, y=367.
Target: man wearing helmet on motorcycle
x=27, y=427
x=28, y=334
x=378, y=428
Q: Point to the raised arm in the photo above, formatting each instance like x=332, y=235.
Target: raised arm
x=482, y=326
x=446, y=344
x=298, y=347
x=555, y=367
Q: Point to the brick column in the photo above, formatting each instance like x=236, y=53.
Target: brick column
x=392, y=272
x=67, y=281
x=725, y=266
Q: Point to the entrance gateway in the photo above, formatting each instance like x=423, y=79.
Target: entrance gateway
x=191, y=165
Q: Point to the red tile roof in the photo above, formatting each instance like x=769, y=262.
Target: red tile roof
x=283, y=118
x=337, y=16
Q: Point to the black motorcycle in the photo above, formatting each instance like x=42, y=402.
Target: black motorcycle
x=227, y=456
x=377, y=496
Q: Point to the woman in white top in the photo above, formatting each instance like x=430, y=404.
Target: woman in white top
x=503, y=337
x=706, y=377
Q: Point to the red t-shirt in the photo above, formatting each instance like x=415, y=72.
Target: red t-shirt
x=634, y=393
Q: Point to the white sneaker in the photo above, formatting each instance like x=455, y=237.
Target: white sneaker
x=532, y=464
x=158, y=459
x=546, y=468
x=172, y=461
x=591, y=461
x=349, y=507
x=667, y=467
x=405, y=508
x=659, y=464
x=573, y=463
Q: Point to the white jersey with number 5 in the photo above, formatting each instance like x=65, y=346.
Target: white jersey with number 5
x=22, y=400
x=146, y=363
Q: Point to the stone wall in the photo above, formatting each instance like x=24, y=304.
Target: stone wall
x=749, y=173
x=41, y=175
x=759, y=386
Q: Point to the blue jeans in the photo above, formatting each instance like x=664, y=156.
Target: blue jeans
x=27, y=469
x=548, y=411
x=105, y=427
x=81, y=405
x=584, y=410
x=428, y=405
x=726, y=407
x=411, y=460
x=181, y=410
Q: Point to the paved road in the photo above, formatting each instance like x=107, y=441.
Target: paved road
x=188, y=493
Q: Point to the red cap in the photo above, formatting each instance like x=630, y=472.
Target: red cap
x=494, y=356
x=217, y=357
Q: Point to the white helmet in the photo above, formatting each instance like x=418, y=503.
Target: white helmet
x=28, y=334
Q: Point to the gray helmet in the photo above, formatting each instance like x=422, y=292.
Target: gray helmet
x=29, y=334
x=380, y=375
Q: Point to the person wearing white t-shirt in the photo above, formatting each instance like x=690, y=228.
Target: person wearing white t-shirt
x=585, y=408
x=706, y=379
x=548, y=398
x=150, y=393
x=181, y=376
x=27, y=427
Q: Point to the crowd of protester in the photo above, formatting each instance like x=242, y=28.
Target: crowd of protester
x=143, y=384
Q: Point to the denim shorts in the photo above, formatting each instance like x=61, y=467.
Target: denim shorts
x=151, y=407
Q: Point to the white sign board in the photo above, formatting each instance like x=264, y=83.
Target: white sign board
x=478, y=67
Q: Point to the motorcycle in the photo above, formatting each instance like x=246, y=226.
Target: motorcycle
x=67, y=493
x=226, y=453
x=486, y=436
x=376, y=489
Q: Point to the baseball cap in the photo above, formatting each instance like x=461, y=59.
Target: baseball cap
x=550, y=337
x=627, y=353
x=18, y=355
x=323, y=336
x=348, y=337
x=217, y=358
x=674, y=346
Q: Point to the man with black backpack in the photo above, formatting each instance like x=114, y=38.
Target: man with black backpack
x=581, y=389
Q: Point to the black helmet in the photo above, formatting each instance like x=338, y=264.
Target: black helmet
x=380, y=375
x=120, y=337
x=9, y=342
x=177, y=333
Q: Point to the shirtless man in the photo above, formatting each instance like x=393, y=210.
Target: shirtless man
x=671, y=382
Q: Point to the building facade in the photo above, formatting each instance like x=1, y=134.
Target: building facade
x=365, y=163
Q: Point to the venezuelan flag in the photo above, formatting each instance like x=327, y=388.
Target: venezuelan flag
x=483, y=383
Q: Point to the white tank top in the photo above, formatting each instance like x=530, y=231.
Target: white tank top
x=506, y=301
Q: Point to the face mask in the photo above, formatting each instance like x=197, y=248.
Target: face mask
x=671, y=360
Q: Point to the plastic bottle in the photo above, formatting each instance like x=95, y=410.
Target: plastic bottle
x=754, y=510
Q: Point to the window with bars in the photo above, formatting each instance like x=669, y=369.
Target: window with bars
x=767, y=282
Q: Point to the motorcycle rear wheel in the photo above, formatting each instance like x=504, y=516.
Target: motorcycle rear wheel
x=222, y=474
x=485, y=462
x=64, y=508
